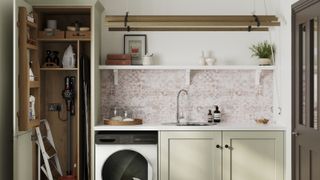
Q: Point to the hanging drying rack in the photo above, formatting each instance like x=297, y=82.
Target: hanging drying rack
x=191, y=23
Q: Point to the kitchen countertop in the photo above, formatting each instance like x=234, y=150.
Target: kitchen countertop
x=220, y=126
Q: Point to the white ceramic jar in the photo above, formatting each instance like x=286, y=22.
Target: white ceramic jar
x=147, y=60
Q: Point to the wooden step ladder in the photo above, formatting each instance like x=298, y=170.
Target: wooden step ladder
x=50, y=165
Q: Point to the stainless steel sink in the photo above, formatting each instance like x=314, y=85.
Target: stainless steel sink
x=190, y=124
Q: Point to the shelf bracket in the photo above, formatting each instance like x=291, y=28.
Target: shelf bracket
x=115, y=76
x=188, y=74
x=258, y=81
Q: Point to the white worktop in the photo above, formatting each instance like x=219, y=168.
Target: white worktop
x=220, y=126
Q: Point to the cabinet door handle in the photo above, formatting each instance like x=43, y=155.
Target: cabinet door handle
x=294, y=133
x=218, y=146
x=227, y=146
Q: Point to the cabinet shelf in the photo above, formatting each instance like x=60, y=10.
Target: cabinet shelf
x=58, y=69
x=62, y=40
x=32, y=25
x=34, y=84
x=32, y=47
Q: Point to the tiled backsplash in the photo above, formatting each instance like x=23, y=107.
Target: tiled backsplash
x=152, y=94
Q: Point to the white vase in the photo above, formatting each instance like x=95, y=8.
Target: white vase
x=202, y=61
x=265, y=61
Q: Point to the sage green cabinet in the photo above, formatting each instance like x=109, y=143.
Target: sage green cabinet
x=253, y=155
x=221, y=155
x=190, y=155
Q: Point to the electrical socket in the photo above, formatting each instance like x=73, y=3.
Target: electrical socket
x=55, y=107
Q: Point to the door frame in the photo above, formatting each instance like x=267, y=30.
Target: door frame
x=296, y=8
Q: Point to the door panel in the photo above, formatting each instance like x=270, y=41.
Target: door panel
x=190, y=156
x=306, y=144
x=253, y=155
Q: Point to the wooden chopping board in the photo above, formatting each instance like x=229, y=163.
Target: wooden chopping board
x=122, y=123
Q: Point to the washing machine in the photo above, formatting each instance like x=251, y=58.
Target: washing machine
x=126, y=155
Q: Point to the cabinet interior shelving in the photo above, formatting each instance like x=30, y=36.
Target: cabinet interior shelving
x=50, y=81
x=53, y=79
x=28, y=61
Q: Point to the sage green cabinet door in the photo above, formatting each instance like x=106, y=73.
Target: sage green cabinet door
x=253, y=155
x=190, y=155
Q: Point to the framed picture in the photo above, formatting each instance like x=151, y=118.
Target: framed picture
x=136, y=45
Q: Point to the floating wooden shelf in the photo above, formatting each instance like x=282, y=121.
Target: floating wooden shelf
x=191, y=23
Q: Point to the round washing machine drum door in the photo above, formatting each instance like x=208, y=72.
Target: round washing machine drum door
x=126, y=165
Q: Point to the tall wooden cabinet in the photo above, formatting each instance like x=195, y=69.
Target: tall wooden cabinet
x=49, y=81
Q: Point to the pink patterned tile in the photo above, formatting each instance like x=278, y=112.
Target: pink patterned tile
x=151, y=94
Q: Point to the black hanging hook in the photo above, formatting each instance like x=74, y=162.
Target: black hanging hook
x=256, y=19
x=126, y=19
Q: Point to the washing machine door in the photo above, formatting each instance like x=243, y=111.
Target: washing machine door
x=126, y=165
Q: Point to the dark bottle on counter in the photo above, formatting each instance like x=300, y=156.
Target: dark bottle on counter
x=216, y=115
x=210, y=118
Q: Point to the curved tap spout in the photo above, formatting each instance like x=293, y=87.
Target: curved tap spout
x=178, y=106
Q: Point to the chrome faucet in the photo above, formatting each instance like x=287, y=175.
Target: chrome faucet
x=178, y=107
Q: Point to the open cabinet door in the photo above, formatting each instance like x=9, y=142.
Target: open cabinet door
x=23, y=146
x=29, y=72
x=306, y=63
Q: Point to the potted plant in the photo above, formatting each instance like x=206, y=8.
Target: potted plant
x=264, y=51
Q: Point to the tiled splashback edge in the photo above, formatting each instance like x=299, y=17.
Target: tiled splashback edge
x=151, y=94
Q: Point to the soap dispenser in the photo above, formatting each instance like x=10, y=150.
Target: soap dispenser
x=210, y=116
x=217, y=115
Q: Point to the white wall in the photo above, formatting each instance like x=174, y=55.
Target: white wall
x=184, y=48
x=6, y=60
x=229, y=47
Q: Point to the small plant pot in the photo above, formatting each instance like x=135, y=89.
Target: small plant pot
x=265, y=62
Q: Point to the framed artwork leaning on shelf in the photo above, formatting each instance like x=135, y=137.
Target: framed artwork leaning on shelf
x=136, y=45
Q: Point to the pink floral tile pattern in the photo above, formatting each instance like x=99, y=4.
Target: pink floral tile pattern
x=151, y=94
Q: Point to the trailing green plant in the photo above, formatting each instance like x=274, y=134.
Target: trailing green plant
x=263, y=50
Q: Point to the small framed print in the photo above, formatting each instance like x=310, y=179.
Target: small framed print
x=136, y=46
